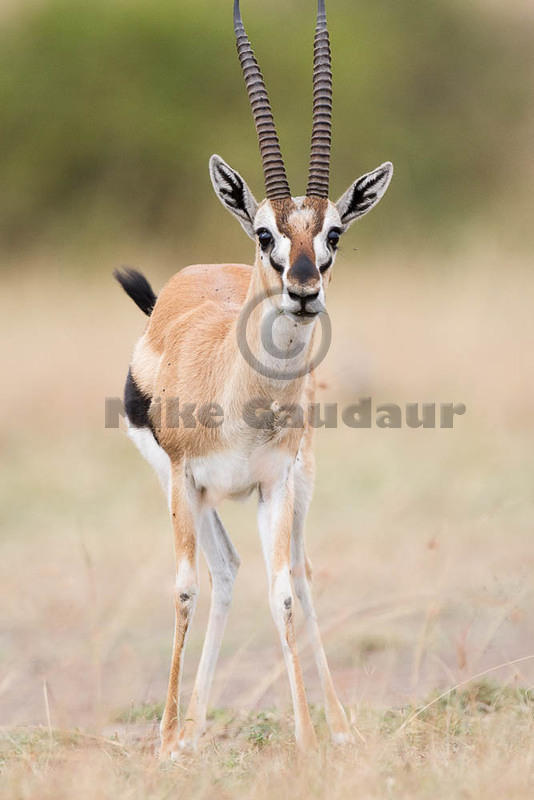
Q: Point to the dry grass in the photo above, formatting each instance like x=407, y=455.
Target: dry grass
x=474, y=744
x=421, y=543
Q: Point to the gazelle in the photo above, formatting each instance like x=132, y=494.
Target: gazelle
x=190, y=354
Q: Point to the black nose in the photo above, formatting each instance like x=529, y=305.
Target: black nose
x=304, y=298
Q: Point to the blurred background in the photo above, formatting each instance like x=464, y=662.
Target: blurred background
x=421, y=540
x=109, y=112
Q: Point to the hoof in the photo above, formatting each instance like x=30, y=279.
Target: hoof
x=166, y=752
x=183, y=747
x=178, y=750
x=342, y=738
x=306, y=741
x=178, y=745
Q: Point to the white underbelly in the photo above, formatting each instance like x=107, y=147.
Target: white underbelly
x=231, y=473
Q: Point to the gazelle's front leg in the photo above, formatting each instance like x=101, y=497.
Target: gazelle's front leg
x=301, y=572
x=275, y=519
x=185, y=514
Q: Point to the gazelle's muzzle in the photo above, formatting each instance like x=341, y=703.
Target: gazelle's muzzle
x=303, y=286
x=303, y=301
x=305, y=305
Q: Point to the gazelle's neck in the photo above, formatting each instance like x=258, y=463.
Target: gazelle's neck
x=273, y=348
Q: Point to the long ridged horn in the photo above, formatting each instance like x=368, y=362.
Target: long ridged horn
x=276, y=183
x=319, y=175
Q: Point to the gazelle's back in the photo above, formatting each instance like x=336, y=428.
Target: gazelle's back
x=223, y=286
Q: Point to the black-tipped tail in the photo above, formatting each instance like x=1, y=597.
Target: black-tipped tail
x=137, y=287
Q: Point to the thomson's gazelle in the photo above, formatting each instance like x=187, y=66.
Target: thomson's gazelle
x=189, y=353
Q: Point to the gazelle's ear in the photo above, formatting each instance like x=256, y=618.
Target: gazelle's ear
x=233, y=193
x=364, y=193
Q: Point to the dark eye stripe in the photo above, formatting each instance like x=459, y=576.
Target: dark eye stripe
x=274, y=265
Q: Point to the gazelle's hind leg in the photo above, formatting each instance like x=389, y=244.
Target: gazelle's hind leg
x=144, y=440
x=301, y=572
x=223, y=563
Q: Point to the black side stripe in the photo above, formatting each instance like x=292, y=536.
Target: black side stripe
x=137, y=405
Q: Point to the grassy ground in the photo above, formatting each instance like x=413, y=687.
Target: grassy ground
x=472, y=744
x=421, y=542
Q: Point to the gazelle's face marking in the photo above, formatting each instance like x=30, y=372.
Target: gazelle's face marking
x=297, y=237
x=297, y=242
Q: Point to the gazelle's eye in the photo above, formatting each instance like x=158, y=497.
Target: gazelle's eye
x=265, y=238
x=333, y=238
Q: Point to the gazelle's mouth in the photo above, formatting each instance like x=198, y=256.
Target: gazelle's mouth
x=303, y=316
